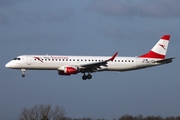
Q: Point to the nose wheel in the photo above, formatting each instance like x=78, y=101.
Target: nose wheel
x=85, y=77
x=23, y=72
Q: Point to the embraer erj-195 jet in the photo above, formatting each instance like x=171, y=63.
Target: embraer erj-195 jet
x=67, y=65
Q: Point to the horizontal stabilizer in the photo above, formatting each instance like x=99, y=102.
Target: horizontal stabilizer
x=167, y=60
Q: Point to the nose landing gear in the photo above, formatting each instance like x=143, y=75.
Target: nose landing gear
x=23, y=72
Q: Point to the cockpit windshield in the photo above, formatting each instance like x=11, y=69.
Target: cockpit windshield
x=17, y=59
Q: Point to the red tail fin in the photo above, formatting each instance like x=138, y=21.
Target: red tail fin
x=159, y=50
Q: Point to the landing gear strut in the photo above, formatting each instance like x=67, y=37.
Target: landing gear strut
x=23, y=72
x=89, y=76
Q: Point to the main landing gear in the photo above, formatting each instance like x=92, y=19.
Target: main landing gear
x=23, y=72
x=89, y=76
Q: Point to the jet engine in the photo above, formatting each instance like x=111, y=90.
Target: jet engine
x=68, y=70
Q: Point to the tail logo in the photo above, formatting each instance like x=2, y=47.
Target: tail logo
x=160, y=48
x=163, y=46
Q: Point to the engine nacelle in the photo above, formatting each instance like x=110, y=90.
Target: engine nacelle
x=68, y=70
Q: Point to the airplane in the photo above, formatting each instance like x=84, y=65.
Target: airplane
x=68, y=65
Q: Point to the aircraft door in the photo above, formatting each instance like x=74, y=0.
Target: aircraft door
x=28, y=60
x=137, y=61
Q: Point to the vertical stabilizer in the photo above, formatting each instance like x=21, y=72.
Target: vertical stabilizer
x=159, y=50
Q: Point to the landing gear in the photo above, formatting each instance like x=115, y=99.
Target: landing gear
x=84, y=77
x=23, y=75
x=89, y=76
x=23, y=72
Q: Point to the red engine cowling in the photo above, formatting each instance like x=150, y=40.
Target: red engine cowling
x=67, y=70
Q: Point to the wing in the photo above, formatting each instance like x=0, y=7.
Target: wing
x=93, y=67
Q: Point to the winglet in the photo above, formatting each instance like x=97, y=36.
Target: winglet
x=112, y=58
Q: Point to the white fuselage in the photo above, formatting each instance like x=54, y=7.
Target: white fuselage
x=53, y=62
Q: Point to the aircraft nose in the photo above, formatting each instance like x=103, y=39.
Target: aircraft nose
x=8, y=65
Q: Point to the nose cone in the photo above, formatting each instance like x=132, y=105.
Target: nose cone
x=8, y=65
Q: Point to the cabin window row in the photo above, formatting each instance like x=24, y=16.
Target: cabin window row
x=85, y=60
x=68, y=60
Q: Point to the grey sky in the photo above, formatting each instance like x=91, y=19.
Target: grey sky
x=153, y=8
x=91, y=27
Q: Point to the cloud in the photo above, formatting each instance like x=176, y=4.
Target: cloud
x=129, y=8
x=117, y=33
x=113, y=32
x=3, y=19
x=66, y=14
x=8, y=2
x=16, y=16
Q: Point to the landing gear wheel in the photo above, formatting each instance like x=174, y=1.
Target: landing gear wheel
x=23, y=72
x=23, y=75
x=89, y=76
x=84, y=77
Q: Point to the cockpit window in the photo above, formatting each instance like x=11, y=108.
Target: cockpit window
x=17, y=59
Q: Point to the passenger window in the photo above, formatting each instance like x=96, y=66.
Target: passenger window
x=17, y=59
